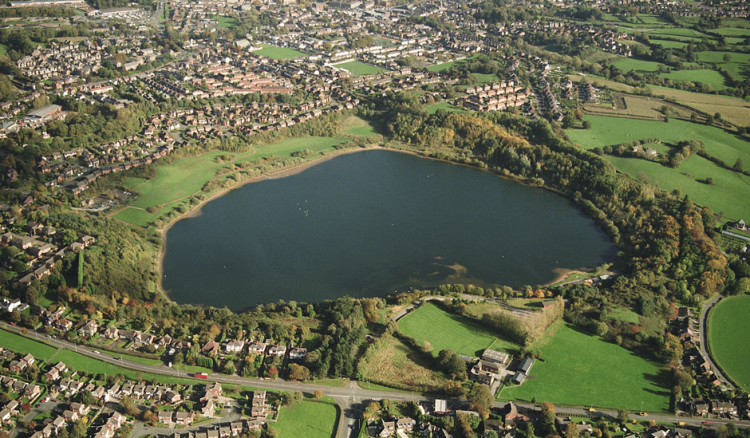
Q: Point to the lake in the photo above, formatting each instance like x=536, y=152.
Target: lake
x=372, y=223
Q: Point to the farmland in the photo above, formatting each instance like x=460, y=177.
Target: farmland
x=729, y=335
x=613, y=376
x=274, y=52
x=725, y=194
x=733, y=110
x=710, y=77
x=448, y=331
x=629, y=64
x=612, y=130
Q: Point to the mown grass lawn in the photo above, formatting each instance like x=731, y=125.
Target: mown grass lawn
x=448, y=331
x=710, y=77
x=359, y=68
x=274, y=52
x=584, y=370
x=729, y=336
x=307, y=419
x=20, y=344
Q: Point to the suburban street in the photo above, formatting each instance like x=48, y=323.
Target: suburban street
x=351, y=398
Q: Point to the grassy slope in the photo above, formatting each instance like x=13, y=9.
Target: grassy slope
x=738, y=66
x=729, y=335
x=447, y=331
x=20, y=344
x=187, y=176
x=584, y=370
x=308, y=419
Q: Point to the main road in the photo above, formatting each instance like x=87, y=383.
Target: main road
x=351, y=398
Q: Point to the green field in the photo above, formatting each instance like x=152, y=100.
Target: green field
x=446, y=65
x=615, y=130
x=738, y=66
x=711, y=77
x=3, y=49
x=727, y=193
x=448, y=331
x=732, y=31
x=445, y=106
x=274, y=52
x=358, y=127
x=729, y=336
x=628, y=64
x=307, y=419
x=79, y=362
x=222, y=22
x=187, y=176
x=20, y=344
x=670, y=44
x=624, y=314
x=359, y=68
x=584, y=370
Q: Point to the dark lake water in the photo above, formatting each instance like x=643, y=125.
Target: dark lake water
x=369, y=224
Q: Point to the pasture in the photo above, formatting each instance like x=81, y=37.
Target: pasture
x=614, y=130
x=611, y=375
x=307, y=419
x=448, y=331
x=274, y=52
x=727, y=194
x=738, y=65
x=728, y=337
x=628, y=64
x=710, y=77
x=359, y=68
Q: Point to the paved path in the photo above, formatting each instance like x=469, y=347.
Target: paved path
x=704, y=347
x=352, y=398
